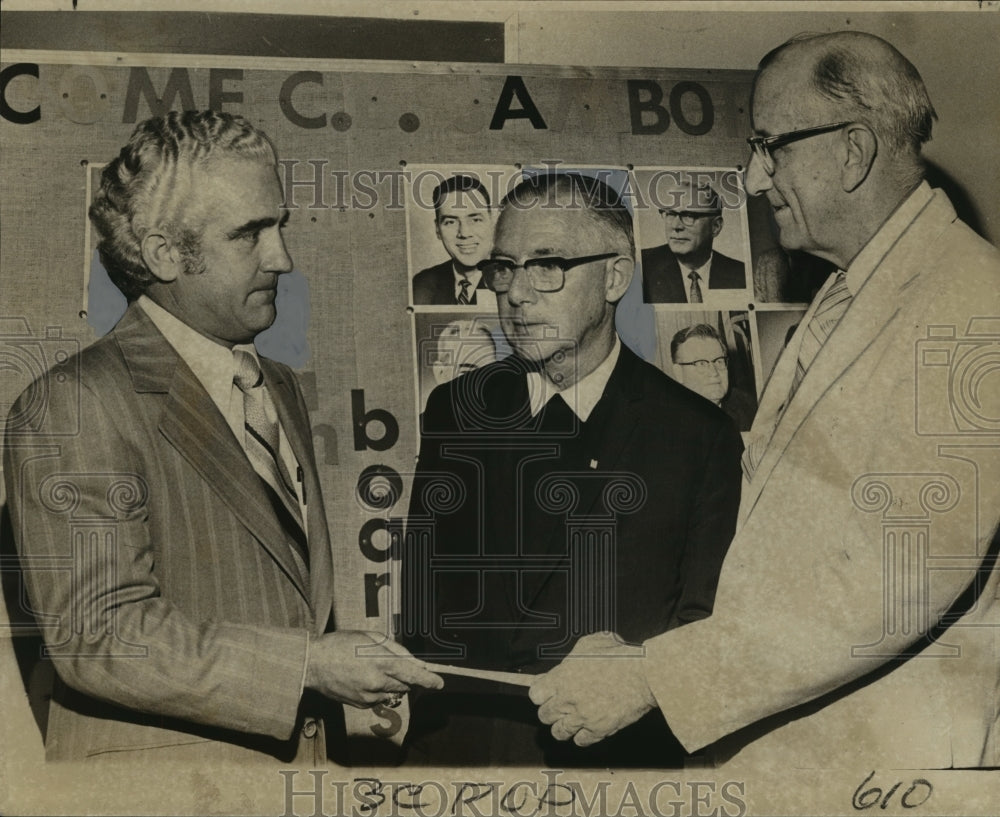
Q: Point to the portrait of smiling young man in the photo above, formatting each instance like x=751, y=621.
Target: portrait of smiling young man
x=463, y=223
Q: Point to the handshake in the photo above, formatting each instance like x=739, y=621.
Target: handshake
x=596, y=690
x=364, y=669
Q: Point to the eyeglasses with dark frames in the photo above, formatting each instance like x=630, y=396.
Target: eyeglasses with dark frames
x=686, y=217
x=763, y=147
x=546, y=274
x=703, y=365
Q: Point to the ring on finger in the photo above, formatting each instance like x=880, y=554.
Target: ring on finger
x=394, y=700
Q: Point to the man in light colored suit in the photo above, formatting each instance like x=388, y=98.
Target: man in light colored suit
x=858, y=610
x=175, y=551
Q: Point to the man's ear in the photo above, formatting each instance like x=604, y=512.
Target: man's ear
x=862, y=147
x=617, y=277
x=716, y=226
x=162, y=257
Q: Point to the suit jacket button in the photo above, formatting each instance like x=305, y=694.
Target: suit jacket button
x=310, y=728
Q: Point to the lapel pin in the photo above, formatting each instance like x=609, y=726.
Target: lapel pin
x=593, y=464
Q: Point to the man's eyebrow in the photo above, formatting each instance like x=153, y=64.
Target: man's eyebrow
x=541, y=252
x=258, y=224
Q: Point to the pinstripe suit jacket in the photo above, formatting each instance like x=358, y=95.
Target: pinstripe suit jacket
x=163, y=582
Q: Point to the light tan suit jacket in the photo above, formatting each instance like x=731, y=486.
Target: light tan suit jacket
x=867, y=525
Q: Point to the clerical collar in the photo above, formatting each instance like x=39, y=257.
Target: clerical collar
x=581, y=397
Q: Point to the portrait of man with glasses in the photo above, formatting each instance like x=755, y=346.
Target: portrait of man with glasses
x=687, y=269
x=568, y=489
x=701, y=362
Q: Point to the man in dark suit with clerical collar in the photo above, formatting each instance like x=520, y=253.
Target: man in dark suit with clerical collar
x=566, y=489
x=686, y=269
x=464, y=224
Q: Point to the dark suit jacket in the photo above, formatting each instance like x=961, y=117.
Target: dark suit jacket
x=741, y=406
x=436, y=286
x=662, y=282
x=519, y=542
x=178, y=619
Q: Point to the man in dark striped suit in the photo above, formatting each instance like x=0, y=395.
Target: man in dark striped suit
x=175, y=551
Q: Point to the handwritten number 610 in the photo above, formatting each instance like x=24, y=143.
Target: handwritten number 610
x=917, y=794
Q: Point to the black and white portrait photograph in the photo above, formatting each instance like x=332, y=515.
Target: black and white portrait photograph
x=451, y=214
x=712, y=354
x=692, y=231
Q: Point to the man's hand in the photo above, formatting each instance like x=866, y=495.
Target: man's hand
x=363, y=669
x=596, y=690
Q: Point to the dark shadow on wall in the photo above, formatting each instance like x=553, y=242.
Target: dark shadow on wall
x=36, y=673
x=964, y=206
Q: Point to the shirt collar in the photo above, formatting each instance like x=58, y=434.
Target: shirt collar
x=211, y=362
x=581, y=397
x=703, y=271
x=473, y=276
x=871, y=255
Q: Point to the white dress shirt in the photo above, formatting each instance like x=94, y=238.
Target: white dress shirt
x=473, y=276
x=214, y=366
x=704, y=271
x=582, y=396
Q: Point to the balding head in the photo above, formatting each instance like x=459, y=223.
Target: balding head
x=840, y=120
x=866, y=79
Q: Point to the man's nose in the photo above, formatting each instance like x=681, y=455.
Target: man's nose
x=276, y=257
x=756, y=180
x=521, y=291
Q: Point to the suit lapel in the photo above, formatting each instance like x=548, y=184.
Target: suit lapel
x=863, y=322
x=295, y=425
x=672, y=285
x=193, y=425
x=614, y=425
x=445, y=283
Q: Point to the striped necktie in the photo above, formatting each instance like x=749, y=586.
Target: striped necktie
x=463, y=296
x=694, y=293
x=824, y=320
x=828, y=314
x=261, y=439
